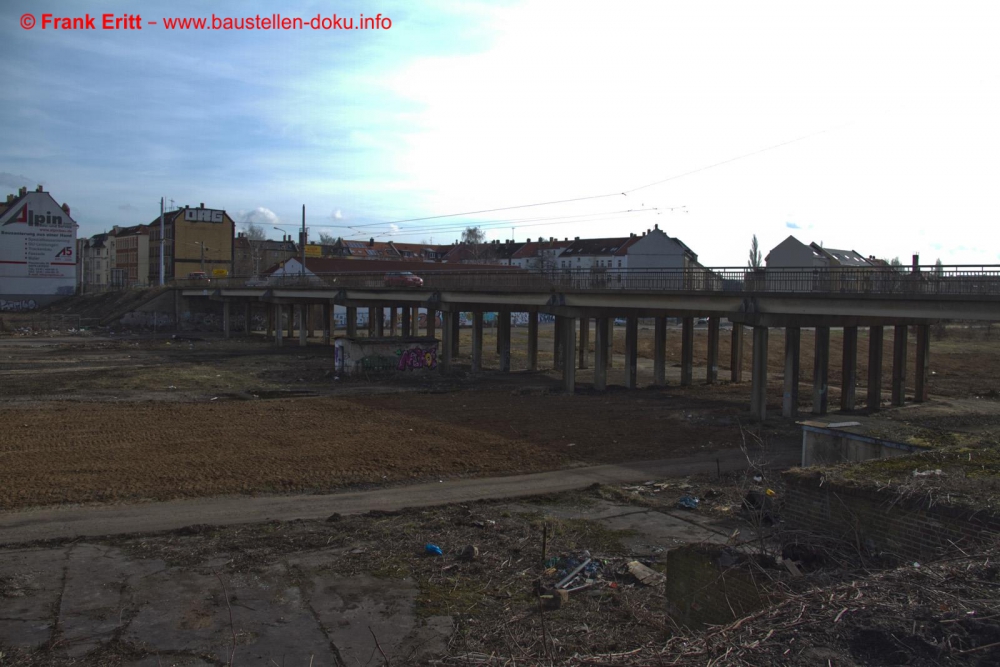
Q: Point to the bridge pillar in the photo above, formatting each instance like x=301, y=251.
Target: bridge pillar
x=279, y=327
x=393, y=321
x=921, y=373
x=268, y=321
x=247, y=317
x=875, y=336
x=372, y=316
x=291, y=320
x=712, y=372
x=849, y=371
x=431, y=324
x=414, y=322
x=687, y=351
x=631, y=350
x=352, y=321
x=380, y=321
x=405, y=326
x=533, y=341
x=568, y=330
x=328, y=323
x=736, y=354
x=584, y=341
x=610, y=354
x=303, y=325
x=758, y=391
x=447, y=334
x=503, y=337
x=790, y=395
x=899, y=364
x=226, y=317
x=456, y=331
x=557, y=336
x=600, y=354
x=477, y=341
x=660, y=350
x=821, y=371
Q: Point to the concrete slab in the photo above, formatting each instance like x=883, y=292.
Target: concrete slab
x=91, y=609
x=30, y=583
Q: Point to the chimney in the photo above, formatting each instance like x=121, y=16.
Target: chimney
x=656, y=226
x=10, y=198
x=39, y=189
x=576, y=238
x=916, y=262
x=371, y=242
x=201, y=205
x=65, y=207
x=22, y=191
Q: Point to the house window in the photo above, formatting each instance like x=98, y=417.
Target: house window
x=619, y=264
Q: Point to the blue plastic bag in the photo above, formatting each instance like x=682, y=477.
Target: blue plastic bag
x=433, y=550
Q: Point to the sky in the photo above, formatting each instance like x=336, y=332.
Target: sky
x=870, y=126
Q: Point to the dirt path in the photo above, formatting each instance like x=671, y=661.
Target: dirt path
x=90, y=521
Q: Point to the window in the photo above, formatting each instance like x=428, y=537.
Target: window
x=619, y=264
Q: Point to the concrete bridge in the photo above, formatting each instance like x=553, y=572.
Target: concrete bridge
x=848, y=298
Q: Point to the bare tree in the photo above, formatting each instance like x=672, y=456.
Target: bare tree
x=256, y=236
x=475, y=238
x=327, y=239
x=255, y=232
x=755, y=259
x=939, y=268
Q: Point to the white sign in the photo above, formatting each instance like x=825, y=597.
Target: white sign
x=203, y=215
x=37, y=247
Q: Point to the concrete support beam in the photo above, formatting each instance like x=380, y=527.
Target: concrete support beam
x=380, y=322
x=327, y=323
x=503, y=338
x=393, y=321
x=414, y=329
x=533, y=341
x=922, y=372
x=687, y=351
x=758, y=391
x=477, y=341
x=291, y=321
x=372, y=316
x=849, y=370
x=406, y=327
x=601, y=354
x=303, y=325
x=790, y=395
x=874, y=401
x=226, y=318
x=611, y=343
x=821, y=372
x=584, y=341
x=446, y=358
x=899, y=340
x=456, y=330
x=352, y=321
x=279, y=326
x=247, y=318
x=268, y=321
x=736, y=354
x=660, y=351
x=431, y=322
x=557, y=337
x=712, y=372
x=568, y=329
x=631, y=351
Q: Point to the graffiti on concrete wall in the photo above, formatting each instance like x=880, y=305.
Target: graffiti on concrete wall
x=416, y=357
x=17, y=306
x=516, y=319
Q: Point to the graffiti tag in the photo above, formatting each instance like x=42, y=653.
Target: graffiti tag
x=17, y=306
x=415, y=358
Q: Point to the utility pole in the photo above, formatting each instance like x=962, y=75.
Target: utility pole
x=162, y=240
x=202, y=244
x=302, y=241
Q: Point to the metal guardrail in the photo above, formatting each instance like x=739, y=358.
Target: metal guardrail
x=931, y=280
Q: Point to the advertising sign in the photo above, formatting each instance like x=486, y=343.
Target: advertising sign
x=313, y=250
x=37, y=247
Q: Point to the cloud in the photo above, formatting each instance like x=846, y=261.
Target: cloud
x=15, y=181
x=337, y=215
x=792, y=225
x=126, y=207
x=393, y=230
x=259, y=216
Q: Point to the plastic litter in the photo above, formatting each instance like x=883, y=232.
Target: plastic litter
x=688, y=502
x=433, y=550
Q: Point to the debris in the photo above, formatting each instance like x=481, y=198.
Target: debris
x=470, y=552
x=770, y=493
x=646, y=575
x=171, y=388
x=792, y=568
x=688, y=502
x=928, y=473
x=572, y=575
x=333, y=518
x=433, y=550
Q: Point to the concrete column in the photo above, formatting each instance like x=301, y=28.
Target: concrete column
x=303, y=325
x=477, y=341
x=279, y=326
x=600, y=354
x=393, y=321
x=584, y=341
x=687, y=351
x=736, y=354
x=712, y=372
x=758, y=391
x=790, y=396
x=611, y=343
x=899, y=364
x=352, y=321
x=533, y=341
x=447, y=333
x=226, y=317
x=414, y=329
x=291, y=320
x=247, y=317
x=874, y=369
x=921, y=372
x=631, y=351
x=327, y=322
x=849, y=371
x=557, y=336
x=268, y=321
x=821, y=371
x=503, y=336
x=660, y=350
x=380, y=321
x=568, y=329
x=406, y=326
x=431, y=322
x=456, y=331
x=372, y=317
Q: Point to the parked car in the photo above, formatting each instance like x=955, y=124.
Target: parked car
x=403, y=279
x=198, y=275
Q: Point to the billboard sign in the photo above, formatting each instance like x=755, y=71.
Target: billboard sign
x=313, y=250
x=37, y=247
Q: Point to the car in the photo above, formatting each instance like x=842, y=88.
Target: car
x=198, y=275
x=403, y=279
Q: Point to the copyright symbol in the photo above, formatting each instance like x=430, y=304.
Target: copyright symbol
x=27, y=21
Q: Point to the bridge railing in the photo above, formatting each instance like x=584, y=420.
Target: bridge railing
x=930, y=280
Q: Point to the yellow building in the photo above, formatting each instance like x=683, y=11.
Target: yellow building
x=195, y=240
